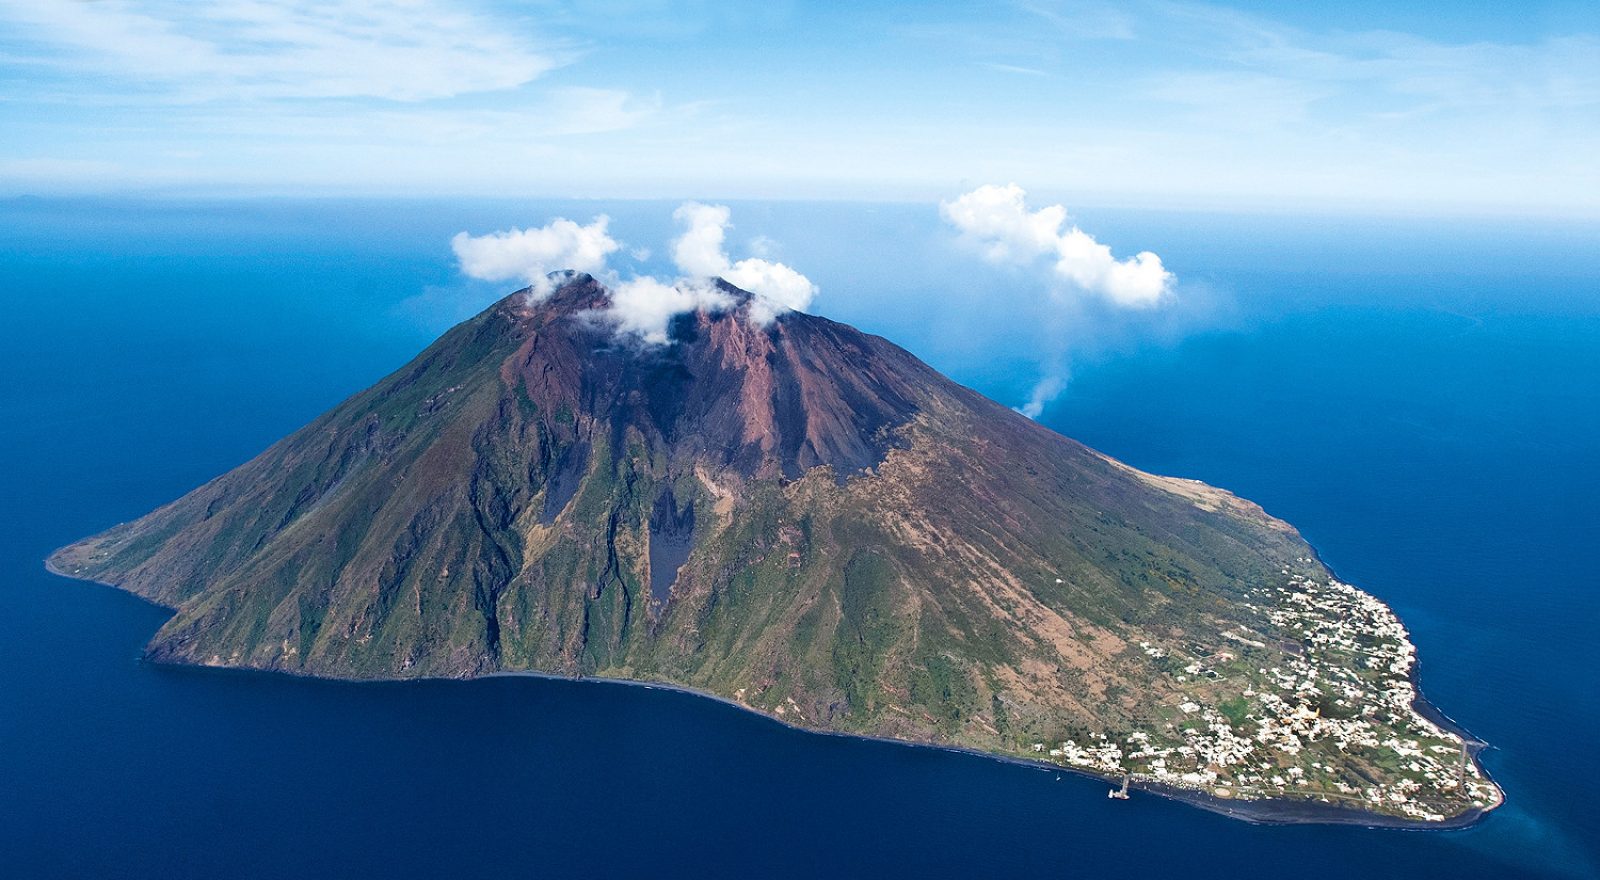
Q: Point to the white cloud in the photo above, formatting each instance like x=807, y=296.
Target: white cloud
x=777, y=287
x=700, y=252
x=645, y=306
x=642, y=306
x=997, y=220
x=531, y=254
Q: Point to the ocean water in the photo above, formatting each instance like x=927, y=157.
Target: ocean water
x=1420, y=396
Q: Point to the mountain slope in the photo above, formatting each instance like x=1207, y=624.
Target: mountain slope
x=802, y=518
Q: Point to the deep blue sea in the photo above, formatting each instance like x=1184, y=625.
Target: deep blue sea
x=1420, y=396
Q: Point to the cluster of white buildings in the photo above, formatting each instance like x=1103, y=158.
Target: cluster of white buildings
x=1370, y=750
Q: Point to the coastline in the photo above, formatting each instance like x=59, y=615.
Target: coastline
x=1269, y=811
x=1258, y=812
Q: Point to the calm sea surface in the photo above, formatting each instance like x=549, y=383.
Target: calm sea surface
x=1421, y=398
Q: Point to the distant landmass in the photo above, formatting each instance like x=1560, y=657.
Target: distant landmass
x=808, y=521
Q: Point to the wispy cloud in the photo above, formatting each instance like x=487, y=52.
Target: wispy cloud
x=559, y=112
x=1282, y=107
x=1386, y=69
x=401, y=50
x=1155, y=101
x=1085, y=19
x=1012, y=68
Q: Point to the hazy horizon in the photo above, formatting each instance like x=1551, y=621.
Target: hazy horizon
x=1480, y=109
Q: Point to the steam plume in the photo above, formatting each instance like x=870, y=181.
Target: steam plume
x=997, y=221
x=700, y=252
x=642, y=306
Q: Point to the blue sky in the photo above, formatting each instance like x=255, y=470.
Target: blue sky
x=1427, y=107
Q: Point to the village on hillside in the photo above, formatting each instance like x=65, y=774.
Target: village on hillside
x=1333, y=721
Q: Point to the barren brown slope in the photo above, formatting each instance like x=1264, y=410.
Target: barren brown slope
x=800, y=517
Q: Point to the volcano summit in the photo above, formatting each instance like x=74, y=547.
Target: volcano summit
x=808, y=521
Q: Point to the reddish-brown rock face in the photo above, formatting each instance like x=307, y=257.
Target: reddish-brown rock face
x=773, y=400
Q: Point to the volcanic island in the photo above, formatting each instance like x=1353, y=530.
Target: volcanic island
x=807, y=521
